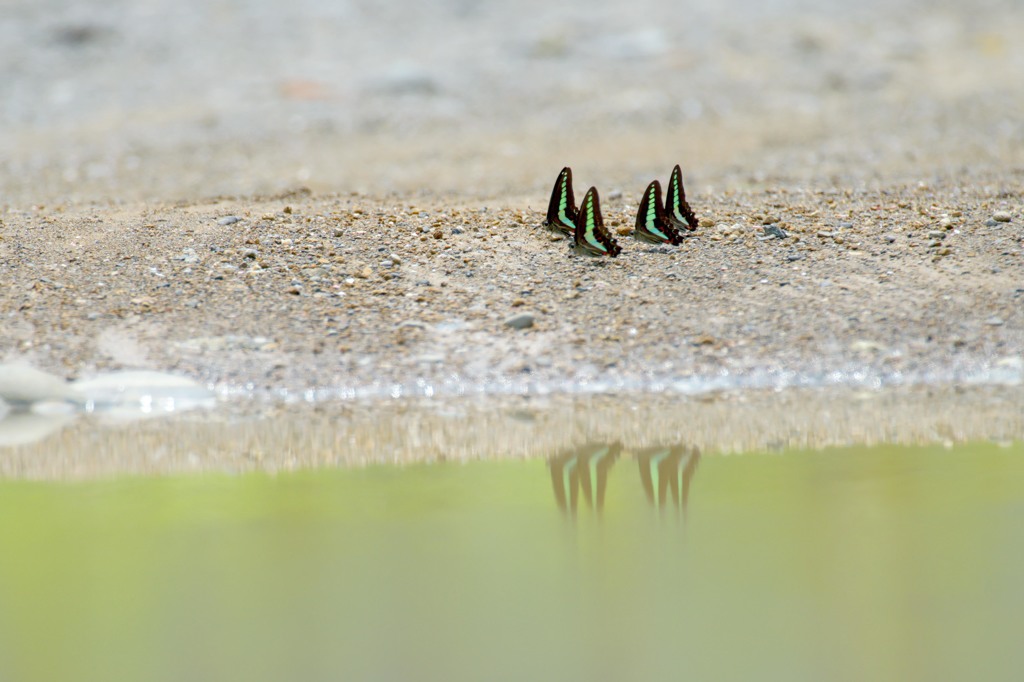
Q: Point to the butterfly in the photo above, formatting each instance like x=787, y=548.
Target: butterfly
x=562, y=206
x=652, y=223
x=678, y=211
x=589, y=237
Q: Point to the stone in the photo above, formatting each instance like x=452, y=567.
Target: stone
x=522, y=320
x=188, y=255
x=23, y=385
x=228, y=220
x=1002, y=216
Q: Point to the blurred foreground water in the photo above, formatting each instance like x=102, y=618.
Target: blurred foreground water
x=601, y=562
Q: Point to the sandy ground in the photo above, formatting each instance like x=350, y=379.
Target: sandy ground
x=357, y=296
x=346, y=199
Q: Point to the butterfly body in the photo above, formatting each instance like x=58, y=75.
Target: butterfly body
x=652, y=223
x=590, y=238
x=562, y=205
x=677, y=210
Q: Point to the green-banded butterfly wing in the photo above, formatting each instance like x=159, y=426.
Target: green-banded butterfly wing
x=562, y=205
x=679, y=212
x=590, y=237
x=652, y=225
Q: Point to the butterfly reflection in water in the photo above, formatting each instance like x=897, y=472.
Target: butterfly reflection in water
x=665, y=475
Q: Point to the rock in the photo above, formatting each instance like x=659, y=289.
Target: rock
x=890, y=238
x=396, y=259
x=228, y=220
x=775, y=231
x=637, y=44
x=406, y=78
x=615, y=194
x=314, y=273
x=23, y=385
x=522, y=320
x=188, y=255
x=846, y=226
x=142, y=393
x=866, y=346
x=936, y=234
x=991, y=222
x=994, y=321
x=1002, y=216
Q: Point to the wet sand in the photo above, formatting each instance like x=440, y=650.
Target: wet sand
x=250, y=437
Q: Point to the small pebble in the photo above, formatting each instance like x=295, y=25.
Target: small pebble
x=991, y=222
x=994, y=321
x=936, y=234
x=438, y=234
x=890, y=238
x=775, y=231
x=520, y=321
x=846, y=226
x=1001, y=216
x=228, y=220
x=615, y=194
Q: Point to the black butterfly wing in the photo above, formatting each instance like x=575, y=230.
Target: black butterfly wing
x=590, y=235
x=652, y=224
x=678, y=210
x=562, y=205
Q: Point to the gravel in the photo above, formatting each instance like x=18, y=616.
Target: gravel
x=335, y=321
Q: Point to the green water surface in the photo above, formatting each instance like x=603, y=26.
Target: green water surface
x=891, y=563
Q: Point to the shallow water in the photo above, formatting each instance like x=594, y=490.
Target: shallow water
x=603, y=562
